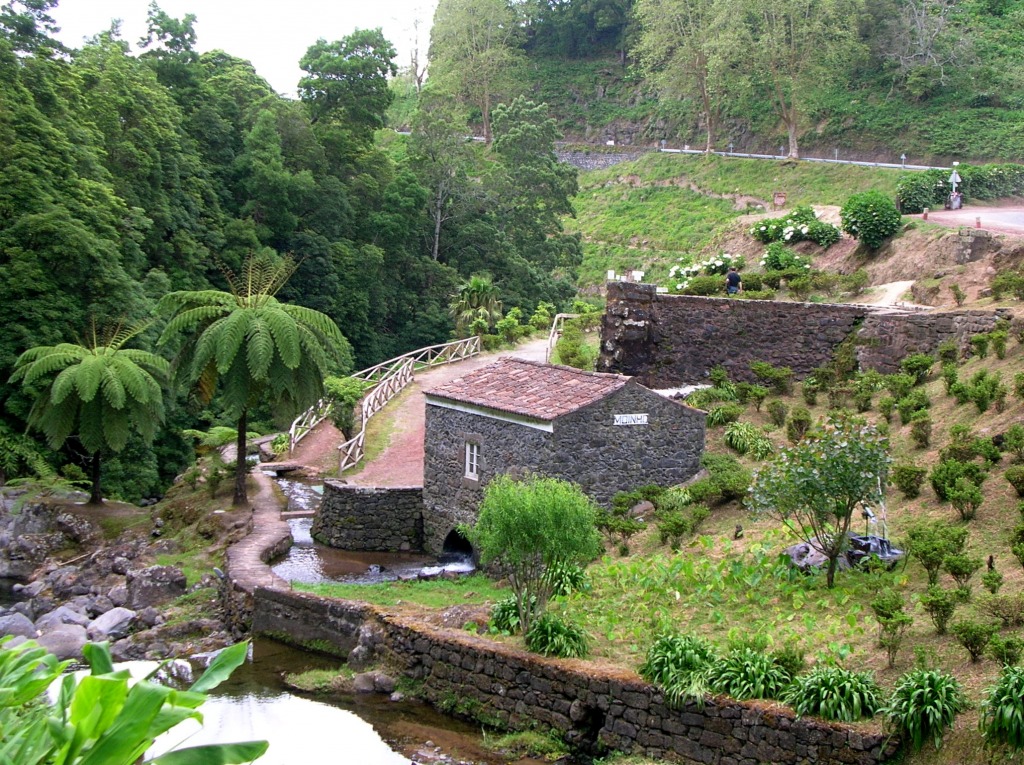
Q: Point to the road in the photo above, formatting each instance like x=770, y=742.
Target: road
x=1006, y=220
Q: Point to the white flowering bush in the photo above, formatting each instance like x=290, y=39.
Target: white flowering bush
x=716, y=266
x=802, y=223
x=778, y=257
x=870, y=217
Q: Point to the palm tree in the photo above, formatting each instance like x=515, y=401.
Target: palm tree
x=477, y=298
x=258, y=348
x=99, y=393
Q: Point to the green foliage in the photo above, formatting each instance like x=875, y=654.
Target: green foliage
x=893, y=622
x=1007, y=651
x=813, y=488
x=572, y=348
x=945, y=475
x=1015, y=476
x=724, y=414
x=948, y=352
x=923, y=706
x=103, y=717
x=567, y=578
x=918, y=365
x=962, y=568
x=940, y=605
x=345, y=393
x=992, y=580
x=779, y=257
x=998, y=339
x=747, y=438
x=798, y=425
x=1007, y=282
x=871, y=217
x=675, y=523
x=835, y=693
x=778, y=412
x=966, y=497
x=916, y=191
x=885, y=406
x=552, y=635
x=802, y=223
x=778, y=379
x=930, y=543
x=1008, y=608
x=525, y=527
x=974, y=636
x=912, y=405
x=747, y=673
x=979, y=344
x=921, y=428
x=899, y=384
x=1002, y=712
x=908, y=479
x=679, y=665
x=1013, y=441
x=478, y=298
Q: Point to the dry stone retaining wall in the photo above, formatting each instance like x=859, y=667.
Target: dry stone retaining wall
x=590, y=705
x=671, y=340
x=370, y=519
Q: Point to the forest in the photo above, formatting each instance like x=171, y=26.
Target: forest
x=127, y=175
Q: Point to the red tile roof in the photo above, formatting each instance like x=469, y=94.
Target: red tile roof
x=540, y=391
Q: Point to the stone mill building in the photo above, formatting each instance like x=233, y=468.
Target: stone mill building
x=605, y=432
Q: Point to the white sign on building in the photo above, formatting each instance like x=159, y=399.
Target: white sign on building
x=631, y=419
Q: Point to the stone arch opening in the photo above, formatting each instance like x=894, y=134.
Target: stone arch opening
x=456, y=546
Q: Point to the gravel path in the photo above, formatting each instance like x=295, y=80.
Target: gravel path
x=401, y=462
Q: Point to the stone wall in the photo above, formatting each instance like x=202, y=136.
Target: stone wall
x=597, y=160
x=584, y=447
x=370, y=519
x=589, y=704
x=671, y=340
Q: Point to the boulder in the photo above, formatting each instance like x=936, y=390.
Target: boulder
x=150, y=616
x=30, y=590
x=642, y=510
x=373, y=682
x=17, y=624
x=65, y=641
x=155, y=585
x=60, y=615
x=112, y=625
x=99, y=604
x=118, y=595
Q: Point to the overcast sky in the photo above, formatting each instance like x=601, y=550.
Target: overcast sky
x=272, y=35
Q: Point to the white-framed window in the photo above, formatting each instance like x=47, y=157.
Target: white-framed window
x=472, y=461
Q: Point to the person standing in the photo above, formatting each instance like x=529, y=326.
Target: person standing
x=733, y=281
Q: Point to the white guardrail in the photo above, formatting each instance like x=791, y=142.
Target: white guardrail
x=388, y=379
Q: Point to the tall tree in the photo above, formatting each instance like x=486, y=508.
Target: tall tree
x=681, y=50
x=478, y=298
x=474, y=53
x=260, y=350
x=790, y=48
x=99, y=393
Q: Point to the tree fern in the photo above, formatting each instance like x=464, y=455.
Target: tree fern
x=252, y=346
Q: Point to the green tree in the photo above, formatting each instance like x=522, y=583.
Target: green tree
x=478, y=297
x=680, y=49
x=99, y=393
x=526, y=528
x=474, y=53
x=814, y=487
x=260, y=349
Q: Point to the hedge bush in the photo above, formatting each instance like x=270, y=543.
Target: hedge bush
x=930, y=188
x=870, y=217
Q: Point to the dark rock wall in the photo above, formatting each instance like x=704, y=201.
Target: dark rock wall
x=370, y=519
x=589, y=705
x=597, y=160
x=671, y=340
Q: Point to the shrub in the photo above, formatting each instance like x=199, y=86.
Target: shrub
x=945, y=474
x=746, y=673
x=921, y=429
x=835, y=693
x=572, y=348
x=678, y=664
x=747, y=438
x=717, y=265
x=505, y=616
x=892, y=622
x=778, y=411
x=966, y=497
x=779, y=257
x=918, y=365
x=810, y=393
x=344, y=393
x=854, y=284
x=870, y=217
x=1006, y=651
x=778, y=379
x=959, y=296
x=974, y=636
x=999, y=338
x=979, y=344
x=798, y=424
x=566, y=578
x=802, y=223
x=1002, y=713
x=992, y=580
x=914, y=402
x=930, y=544
x=924, y=705
x=1008, y=282
x=1013, y=442
x=962, y=568
x=899, y=384
x=724, y=414
x=1008, y=609
x=543, y=316
x=950, y=376
x=754, y=394
x=551, y=635
x=791, y=658
x=948, y=352
x=1018, y=384
x=1015, y=476
x=704, y=286
x=885, y=406
x=908, y=479
x=675, y=524
x=940, y=604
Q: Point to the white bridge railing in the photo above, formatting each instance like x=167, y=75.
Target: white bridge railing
x=556, y=332
x=388, y=379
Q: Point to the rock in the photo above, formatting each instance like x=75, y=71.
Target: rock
x=17, y=624
x=60, y=615
x=31, y=590
x=155, y=585
x=397, y=696
x=65, y=641
x=373, y=682
x=641, y=510
x=112, y=625
x=118, y=595
x=99, y=605
x=120, y=565
x=150, y=616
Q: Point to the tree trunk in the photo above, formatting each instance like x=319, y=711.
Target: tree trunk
x=438, y=212
x=241, y=466
x=833, y=564
x=485, y=111
x=794, y=148
x=96, y=495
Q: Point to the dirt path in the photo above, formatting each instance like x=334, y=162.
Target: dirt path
x=401, y=462
x=889, y=294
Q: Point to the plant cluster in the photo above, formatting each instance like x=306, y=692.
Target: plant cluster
x=802, y=223
x=930, y=188
x=552, y=635
x=779, y=257
x=716, y=266
x=870, y=217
